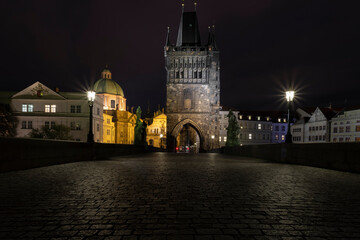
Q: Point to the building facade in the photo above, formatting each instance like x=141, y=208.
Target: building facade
x=345, y=127
x=156, y=130
x=38, y=105
x=193, y=86
x=120, y=129
x=255, y=127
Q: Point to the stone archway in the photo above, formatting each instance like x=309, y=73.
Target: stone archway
x=178, y=127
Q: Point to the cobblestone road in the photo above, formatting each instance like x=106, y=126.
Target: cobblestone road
x=168, y=196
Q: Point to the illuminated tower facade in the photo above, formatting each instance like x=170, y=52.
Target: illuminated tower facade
x=193, y=87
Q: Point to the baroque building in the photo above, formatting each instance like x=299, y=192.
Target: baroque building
x=192, y=87
x=156, y=130
x=119, y=123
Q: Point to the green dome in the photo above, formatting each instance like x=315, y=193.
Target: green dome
x=109, y=86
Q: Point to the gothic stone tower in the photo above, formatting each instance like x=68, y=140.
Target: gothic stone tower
x=193, y=84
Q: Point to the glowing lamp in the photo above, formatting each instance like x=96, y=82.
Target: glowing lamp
x=91, y=96
x=290, y=96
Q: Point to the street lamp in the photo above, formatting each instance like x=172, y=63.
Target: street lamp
x=161, y=140
x=91, y=99
x=289, y=98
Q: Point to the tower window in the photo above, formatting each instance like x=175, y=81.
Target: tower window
x=177, y=75
x=200, y=74
x=112, y=102
x=195, y=74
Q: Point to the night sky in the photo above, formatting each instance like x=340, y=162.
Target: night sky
x=266, y=46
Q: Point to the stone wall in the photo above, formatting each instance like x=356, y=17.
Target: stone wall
x=336, y=156
x=21, y=153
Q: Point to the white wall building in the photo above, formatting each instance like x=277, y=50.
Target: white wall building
x=345, y=127
x=38, y=105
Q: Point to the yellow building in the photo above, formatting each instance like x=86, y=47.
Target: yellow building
x=156, y=130
x=108, y=129
x=118, y=124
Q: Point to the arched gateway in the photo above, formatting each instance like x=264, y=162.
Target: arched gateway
x=192, y=88
x=184, y=126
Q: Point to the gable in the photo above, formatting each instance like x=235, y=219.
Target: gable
x=37, y=91
x=317, y=116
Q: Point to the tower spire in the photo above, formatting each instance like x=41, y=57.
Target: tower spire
x=168, y=37
x=211, y=39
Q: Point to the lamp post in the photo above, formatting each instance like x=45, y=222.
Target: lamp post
x=289, y=98
x=91, y=99
x=161, y=140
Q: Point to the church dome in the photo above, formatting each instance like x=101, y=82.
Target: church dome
x=107, y=85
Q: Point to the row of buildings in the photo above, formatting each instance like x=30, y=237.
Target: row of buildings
x=39, y=106
x=326, y=124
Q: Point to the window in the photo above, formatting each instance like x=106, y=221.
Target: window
x=357, y=129
x=78, y=140
x=53, y=108
x=97, y=127
x=200, y=74
x=78, y=109
x=98, y=111
x=23, y=124
x=347, y=129
x=317, y=128
x=225, y=139
x=347, y=139
x=341, y=129
x=108, y=121
x=283, y=128
x=276, y=136
x=29, y=125
x=108, y=131
x=219, y=139
x=47, y=108
x=72, y=125
x=195, y=74
x=47, y=124
x=27, y=108
x=24, y=108
x=341, y=139
x=276, y=128
x=316, y=138
x=283, y=137
x=309, y=129
x=357, y=139
x=284, y=120
x=259, y=126
x=249, y=117
x=320, y=128
x=309, y=138
x=258, y=118
x=334, y=139
x=112, y=102
x=240, y=117
x=72, y=108
x=250, y=136
x=323, y=137
x=52, y=124
x=78, y=127
x=335, y=129
x=177, y=74
x=263, y=137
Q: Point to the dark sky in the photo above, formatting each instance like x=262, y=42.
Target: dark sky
x=266, y=46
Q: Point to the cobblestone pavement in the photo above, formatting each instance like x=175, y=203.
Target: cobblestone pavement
x=169, y=196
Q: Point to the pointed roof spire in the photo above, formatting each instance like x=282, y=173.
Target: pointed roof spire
x=168, y=43
x=188, y=34
x=211, y=39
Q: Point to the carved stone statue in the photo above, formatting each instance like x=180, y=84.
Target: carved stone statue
x=140, y=129
x=233, y=130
